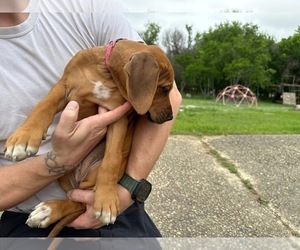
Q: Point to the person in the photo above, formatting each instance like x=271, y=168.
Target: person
x=35, y=46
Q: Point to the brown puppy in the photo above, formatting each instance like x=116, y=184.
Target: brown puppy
x=106, y=76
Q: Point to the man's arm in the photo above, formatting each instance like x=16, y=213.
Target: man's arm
x=71, y=141
x=20, y=181
x=148, y=142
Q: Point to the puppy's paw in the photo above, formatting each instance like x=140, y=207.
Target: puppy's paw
x=106, y=206
x=22, y=144
x=19, y=152
x=105, y=216
x=40, y=216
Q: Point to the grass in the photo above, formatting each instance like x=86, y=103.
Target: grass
x=224, y=162
x=199, y=116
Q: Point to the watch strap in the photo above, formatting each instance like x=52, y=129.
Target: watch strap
x=128, y=182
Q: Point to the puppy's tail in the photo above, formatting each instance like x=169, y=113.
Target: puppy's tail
x=65, y=221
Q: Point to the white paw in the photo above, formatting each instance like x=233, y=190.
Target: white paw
x=40, y=216
x=19, y=152
x=106, y=218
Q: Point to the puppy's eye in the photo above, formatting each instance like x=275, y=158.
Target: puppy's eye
x=165, y=90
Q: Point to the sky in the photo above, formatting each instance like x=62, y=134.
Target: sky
x=277, y=18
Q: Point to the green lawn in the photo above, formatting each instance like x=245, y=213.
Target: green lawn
x=200, y=116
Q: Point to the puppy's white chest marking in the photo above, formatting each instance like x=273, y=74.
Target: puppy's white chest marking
x=100, y=91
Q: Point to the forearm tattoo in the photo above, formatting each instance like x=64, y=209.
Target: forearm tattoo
x=52, y=165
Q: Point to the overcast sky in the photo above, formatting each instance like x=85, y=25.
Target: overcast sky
x=278, y=18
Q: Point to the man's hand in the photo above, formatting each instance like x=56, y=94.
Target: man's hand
x=72, y=140
x=88, y=220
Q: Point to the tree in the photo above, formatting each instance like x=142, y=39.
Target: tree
x=174, y=42
x=180, y=51
x=180, y=64
x=231, y=53
x=189, y=29
x=287, y=59
x=151, y=34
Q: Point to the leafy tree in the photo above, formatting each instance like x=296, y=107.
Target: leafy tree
x=287, y=59
x=230, y=53
x=151, y=34
x=180, y=64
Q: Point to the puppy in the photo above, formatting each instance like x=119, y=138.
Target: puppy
x=104, y=76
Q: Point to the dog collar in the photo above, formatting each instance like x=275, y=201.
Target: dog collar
x=109, y=50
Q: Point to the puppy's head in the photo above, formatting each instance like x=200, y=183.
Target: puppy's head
x=149, y=80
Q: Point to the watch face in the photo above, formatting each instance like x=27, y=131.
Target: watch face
x=142, y=191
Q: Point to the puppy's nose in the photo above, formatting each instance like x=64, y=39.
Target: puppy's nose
x=169, y=117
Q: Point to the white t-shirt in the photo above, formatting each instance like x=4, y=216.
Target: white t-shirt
x=33, y=57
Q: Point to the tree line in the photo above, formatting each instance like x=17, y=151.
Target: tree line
x=229, y=53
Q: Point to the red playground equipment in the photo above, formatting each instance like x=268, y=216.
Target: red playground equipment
x=237, y=94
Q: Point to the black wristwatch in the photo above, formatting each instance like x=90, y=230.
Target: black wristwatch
x=139, y=190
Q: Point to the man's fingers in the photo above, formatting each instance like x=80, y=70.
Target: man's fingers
x=69, y=117
x=84, y=196
x=109, y=117
x=102, y=110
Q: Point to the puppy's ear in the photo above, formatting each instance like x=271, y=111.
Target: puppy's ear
x=142, y=76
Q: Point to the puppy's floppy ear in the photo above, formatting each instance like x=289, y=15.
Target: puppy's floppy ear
x=142, y=76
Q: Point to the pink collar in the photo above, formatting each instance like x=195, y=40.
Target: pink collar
x=109, y=49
